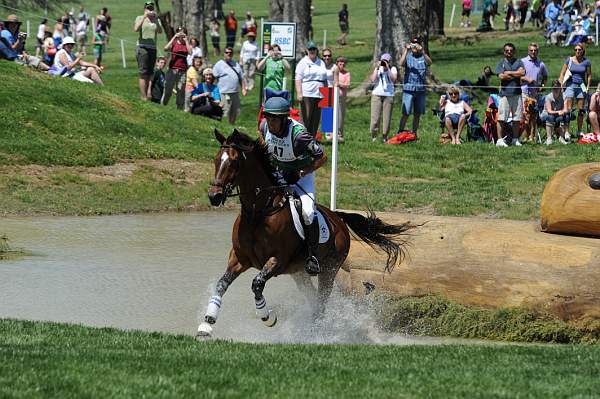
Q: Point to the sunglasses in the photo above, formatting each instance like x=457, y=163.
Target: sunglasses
x=453, y=94
x=326, y=55
x=228, y=52
x=579, y=49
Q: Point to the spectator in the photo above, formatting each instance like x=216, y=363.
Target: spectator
x=229, y=74
x=83, y=16
x=192, y=80
x=66, y=64
x=206, y=98
x=537, y=16
x=484, y=81
x=382, y=97
x=81, y=34
x=179, y=47
x=215, y=36
x=487, y=17
x=555, y=114
x=196, y=51
x=456, y=113
x=510, y=14
x=248, y=57
x=523, y=7
x=98, y=43
x=249, y=24
x=274, y=66
x=108, y=23
x=344, y=25
x=560, y=31
x=552, y=12
x=594, y=114
x=311, y=75
x=230, y=29
x=509, y=70
x=532, y=84
x=12, y=44
x=58, y=34
x=578, y=34
x=219, y=14
x=465, y=19
x=415, y=62
x=343, y=83
x=330, y=67
x=101, y=21
x=576, y=78
x=41, y=35
x=49, y=49
x=156, y=87
x=66, y=22
x=148, y=27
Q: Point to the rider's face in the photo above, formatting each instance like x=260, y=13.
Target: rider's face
x=276, y=124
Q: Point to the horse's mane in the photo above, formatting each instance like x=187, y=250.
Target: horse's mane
x=258, y=148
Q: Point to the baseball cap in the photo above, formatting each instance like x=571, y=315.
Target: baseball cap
x=311, y=45
x=385, y=57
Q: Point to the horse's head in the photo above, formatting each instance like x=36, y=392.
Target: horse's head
x=227, y=165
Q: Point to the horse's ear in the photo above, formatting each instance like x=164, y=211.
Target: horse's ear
x=235, y=132
x=220, y=138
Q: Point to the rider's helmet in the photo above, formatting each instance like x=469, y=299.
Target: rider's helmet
x=277, y=106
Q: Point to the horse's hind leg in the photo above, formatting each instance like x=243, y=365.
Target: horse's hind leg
x=234, y=269
x=268, y=317
x=326, y=281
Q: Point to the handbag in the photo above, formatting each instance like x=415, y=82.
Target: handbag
x=568, y=73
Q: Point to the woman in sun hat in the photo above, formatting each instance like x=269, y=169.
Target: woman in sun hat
x=66, y=64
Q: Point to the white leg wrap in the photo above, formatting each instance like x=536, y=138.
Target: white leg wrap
x=214, y=305
x=261, y=309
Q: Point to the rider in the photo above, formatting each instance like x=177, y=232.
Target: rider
x=296, y=155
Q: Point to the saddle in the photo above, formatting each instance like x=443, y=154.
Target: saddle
x=296, y=210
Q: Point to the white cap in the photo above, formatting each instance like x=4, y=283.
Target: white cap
x=68, y=40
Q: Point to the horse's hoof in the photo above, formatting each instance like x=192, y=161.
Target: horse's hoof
x=204, y=331
x=271, y=320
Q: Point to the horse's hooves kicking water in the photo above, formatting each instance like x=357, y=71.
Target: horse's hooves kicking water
x=264, y=236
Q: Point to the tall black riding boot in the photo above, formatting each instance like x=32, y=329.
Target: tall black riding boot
x=311, y=233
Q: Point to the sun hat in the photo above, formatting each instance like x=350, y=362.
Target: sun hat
x=385, y=57
x=12, y=18
x=68, y=40
x=277, y=106
x=311, y=45
x=207, y=71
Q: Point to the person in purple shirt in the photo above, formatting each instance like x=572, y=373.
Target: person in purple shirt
x=576, y=78
x=532, y=84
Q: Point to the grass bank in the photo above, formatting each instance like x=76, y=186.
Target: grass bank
x=437, y=316
x=58, y=360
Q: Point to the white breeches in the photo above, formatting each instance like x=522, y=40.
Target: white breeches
x=307, y=197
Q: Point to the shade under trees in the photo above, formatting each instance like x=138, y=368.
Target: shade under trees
x=435, y=9
x=297, y=11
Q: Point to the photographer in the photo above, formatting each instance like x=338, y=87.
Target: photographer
x=415, y=62
x=274, y=66
x=148, y=26
x=180, y=47
x=382, y=97
x=12, y=44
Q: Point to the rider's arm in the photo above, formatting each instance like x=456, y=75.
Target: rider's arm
x=305, y=143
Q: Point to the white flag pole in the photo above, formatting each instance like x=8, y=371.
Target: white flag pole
x=452, y=15
x=123, y=53
x=597, y=21
x=334, y=148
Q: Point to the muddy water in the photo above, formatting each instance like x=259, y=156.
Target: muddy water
x=155, y=273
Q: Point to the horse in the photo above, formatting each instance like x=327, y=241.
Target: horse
x=264, y=236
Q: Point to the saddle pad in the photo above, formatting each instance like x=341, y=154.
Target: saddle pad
x=323, y=227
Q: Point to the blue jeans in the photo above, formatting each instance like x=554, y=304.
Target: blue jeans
x=555, y=120
x=413, y=102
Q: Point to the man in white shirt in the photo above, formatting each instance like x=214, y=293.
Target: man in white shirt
x=248, y=57
x=311, y=75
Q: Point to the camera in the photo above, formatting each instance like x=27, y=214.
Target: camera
x=384, y=63
x=23, y=35
x=413, y=45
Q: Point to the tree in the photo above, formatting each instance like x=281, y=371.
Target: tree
x=297, y=11
x=191, y=15
x=14, y=5
x=398, y=21
x=436, y=17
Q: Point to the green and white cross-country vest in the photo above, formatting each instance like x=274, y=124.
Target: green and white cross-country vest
x=282, y=149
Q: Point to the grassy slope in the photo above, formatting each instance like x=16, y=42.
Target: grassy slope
x=78, y=361
x=100, y=126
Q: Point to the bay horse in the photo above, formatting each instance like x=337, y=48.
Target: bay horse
x=264, y=236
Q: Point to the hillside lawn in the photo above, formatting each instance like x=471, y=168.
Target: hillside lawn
x=53, y=131
x=68, y=361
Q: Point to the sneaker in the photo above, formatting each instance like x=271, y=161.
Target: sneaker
x=328, y=136
x=568, y=136
x=373, y=139
x=516, y=143
x=501, y=143
x=549, y=141
x=562, y=140
x=340, y=138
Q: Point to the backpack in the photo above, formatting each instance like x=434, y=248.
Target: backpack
x=403, y=137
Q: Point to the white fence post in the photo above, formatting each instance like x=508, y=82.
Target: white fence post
x=452, y=15
x=123, y=53
x=324, y=39
x=334, y=148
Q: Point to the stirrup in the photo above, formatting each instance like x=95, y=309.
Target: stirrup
x=312, y=266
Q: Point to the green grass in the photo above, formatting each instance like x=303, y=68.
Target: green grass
x=57, y=122
x=57, y=360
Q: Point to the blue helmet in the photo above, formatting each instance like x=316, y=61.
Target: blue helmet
x=277, y=106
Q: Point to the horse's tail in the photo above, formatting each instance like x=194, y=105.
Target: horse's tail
x=379, y=235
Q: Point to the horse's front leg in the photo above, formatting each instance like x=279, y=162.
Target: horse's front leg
x=258, y=285
x=234, y=269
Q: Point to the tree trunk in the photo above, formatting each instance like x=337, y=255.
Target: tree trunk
x=297, y=11
x=487, y=263
x=436, y=18
x=397, y=22
x=190, y=14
